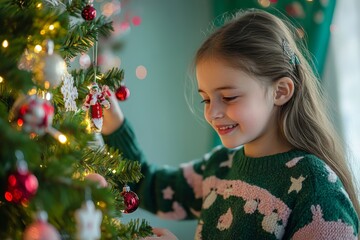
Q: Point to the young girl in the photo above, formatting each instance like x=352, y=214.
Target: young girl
x=281, y=172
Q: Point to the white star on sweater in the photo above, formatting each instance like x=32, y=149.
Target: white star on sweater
x=296, y=184
x=168, y=193
x=210, y=199
x=229, y=162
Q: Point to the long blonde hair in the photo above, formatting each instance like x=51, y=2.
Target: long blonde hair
x=253, y=41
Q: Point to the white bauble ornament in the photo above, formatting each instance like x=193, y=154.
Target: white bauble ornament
x=49, y=68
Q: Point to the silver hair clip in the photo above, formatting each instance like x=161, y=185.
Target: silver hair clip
x=288, y=52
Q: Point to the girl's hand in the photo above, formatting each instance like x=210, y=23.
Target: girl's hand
x=113, y=117
x=162, y=234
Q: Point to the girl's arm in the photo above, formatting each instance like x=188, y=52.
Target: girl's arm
x=170, y=192
x=113, y=117
x=161, y=234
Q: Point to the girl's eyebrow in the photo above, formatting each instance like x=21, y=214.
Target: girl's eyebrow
x=219, y=88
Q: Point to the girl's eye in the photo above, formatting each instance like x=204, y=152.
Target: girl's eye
x=206, y=101
x=229, y=99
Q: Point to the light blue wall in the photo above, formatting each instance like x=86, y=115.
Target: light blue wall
x=165, y=44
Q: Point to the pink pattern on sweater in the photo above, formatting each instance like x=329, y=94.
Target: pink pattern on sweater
x=293, y=162
x=198, y=232
x=178, y=213
x=192, y=178
x=225, y=220
x=267, y=203
x=322, y=230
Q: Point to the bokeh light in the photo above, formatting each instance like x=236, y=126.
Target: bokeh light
x=84, y=61
x=5, y=43
x=141, y=72
x=108, y=9
x=37, y=48
x=62, y=138
x=264, y=3
x=136, y=20
x=124, y=27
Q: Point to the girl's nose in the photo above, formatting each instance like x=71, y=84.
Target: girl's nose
x=215, y=111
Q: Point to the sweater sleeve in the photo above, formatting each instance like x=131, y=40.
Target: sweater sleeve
x=327, y=218
x=170, y=192
x=324, y=210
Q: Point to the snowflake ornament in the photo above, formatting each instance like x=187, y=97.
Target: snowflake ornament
x=69, y=92
x=88, y=220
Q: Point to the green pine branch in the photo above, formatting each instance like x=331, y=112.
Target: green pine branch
x=58, y=167
x=113, y=78
x=135, y=229
x=81, y=37
x=75, y=7
x=109, y=163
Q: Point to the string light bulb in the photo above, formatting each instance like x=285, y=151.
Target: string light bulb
x=5, y=43
x=37, y=48
x=57, y=135
x=62, y=138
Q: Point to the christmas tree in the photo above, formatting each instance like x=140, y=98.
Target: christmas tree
x=57, y=181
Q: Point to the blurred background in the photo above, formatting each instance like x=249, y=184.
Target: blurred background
x=155, y=42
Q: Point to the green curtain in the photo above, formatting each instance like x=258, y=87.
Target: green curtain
x=312, y=17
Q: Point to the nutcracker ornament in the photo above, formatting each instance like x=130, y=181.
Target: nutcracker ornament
x=95, y=101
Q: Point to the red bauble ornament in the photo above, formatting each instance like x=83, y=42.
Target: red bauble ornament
x=41, y=229
x=22, y=185
x=131, y=200
x=122, y=93
x=88, y=13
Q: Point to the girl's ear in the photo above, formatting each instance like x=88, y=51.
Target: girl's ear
x=284, y=90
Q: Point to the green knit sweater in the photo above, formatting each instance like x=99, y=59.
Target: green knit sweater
x=291, y=195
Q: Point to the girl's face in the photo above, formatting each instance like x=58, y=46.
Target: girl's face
x=236, y=105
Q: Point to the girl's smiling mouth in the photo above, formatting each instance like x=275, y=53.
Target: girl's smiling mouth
x=225, y=129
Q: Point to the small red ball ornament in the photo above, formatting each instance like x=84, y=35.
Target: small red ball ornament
x=131, y=200
x=88, y=13
x=22, y=185
x=122, y=93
